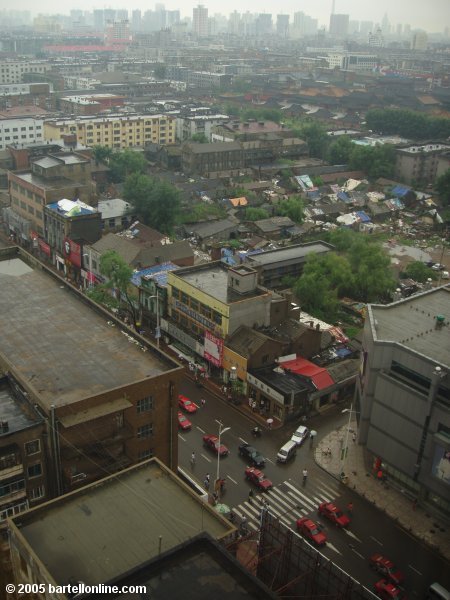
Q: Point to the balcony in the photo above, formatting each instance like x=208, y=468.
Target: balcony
x=10, y=471
x=86, y=471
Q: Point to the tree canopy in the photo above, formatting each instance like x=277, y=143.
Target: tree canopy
x=123, y=164
x=156, y=202
x=419, y=271
x=118, y=275
x=407, y=123
x=292, y=208
x=443, y=187
x=255, y=214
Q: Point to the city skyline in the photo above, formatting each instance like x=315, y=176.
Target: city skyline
x=400, y=12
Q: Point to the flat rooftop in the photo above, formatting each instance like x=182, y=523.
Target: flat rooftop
x=411, y=322
x=18, y=415
x=213, y=281
x=53, y=183
x=112, y=526
x=61, y=347
x=288, y=254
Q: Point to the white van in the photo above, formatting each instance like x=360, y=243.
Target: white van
x=288, y=451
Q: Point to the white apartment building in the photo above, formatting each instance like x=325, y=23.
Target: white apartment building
x=13, y=71
x=354, y=61
x=199, y=124
x=20, y=131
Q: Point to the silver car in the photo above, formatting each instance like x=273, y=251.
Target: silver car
x=300, y=435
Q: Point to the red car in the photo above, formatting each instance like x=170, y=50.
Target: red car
x=311, y=531
x=334, y=514
x=183, y=422
x=212, y=442
x=387, y=568
x=258, y=478
x=388, y=591
x=186, y=404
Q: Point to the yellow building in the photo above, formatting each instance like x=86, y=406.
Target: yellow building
x=115, y=131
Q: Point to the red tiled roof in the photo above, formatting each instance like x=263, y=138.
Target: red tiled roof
x=318, y=375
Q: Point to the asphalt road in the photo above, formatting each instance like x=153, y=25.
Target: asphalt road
x=370, y=531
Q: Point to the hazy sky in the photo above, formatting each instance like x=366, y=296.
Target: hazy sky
x=431, y=15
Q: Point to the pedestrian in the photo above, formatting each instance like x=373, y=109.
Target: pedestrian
x=354, y=437
x=193, y=459
x=207, y=481
x=350, y=508
x=203, y=402
x=305, y=476
x=250, y=497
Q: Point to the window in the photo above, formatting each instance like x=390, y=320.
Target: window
x=33, y=447
x=145, y=431
x=37, y=493
x=145, y=404
x=12, y=487
x=145, y=454
x=34, y=470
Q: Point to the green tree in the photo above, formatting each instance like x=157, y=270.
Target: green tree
x=292, y=208
x=443, y=187
x=255, y=214
x=376, y=161
x=419, y=271
x=201, y=212
x=317, y=297
x=118, y=275
x=125, y=163
x=371, y=268
x=339, y=150
x=199, y=138
x=156, y=202
x=101, y=154
x=407, y=123
x=316, y=137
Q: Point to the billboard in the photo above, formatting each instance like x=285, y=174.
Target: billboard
x=72, y=252
x=213, y=349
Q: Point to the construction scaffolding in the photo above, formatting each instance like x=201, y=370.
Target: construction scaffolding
x=291, y=567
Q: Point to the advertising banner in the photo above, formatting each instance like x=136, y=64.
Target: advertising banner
x=72, y=252
x=213, y=349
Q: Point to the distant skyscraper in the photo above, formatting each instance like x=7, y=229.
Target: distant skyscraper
x=283, y=25
x=339, y=25
x=419, y=40
x=303, y=25
x=385, y=25
x=136, y=20
x=365, y=27
x=200, y=21
x=264, y=24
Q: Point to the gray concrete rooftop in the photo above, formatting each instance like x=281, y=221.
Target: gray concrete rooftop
x=214, y=282
x=58, y=345
x=411, y=322
x=288, y=253
x=112, y=526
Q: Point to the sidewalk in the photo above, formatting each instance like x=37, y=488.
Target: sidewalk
x=396, y=503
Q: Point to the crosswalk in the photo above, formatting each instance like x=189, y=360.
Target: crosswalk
x=289, y=501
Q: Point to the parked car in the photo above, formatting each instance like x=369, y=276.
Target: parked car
x=438, y=267
x=333, y=514
x=252, y=455
x=312, y=531
x=386, y=567
x=388, y=591
x=212, y=442
x=183, y=422
x=258, y=478
x=300, y=435
x=186, y=404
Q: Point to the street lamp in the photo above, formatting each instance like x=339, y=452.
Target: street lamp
x=344, y=450
x=222, y=429
x=158, y=328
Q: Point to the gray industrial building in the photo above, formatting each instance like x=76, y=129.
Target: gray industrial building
x=403, y=394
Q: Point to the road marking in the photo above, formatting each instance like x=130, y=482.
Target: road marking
x=304, y=501
x=415, y=570
x=331, y=490
x=181, y=437
x=309, y=504
x=352, y=535
x=205, y=457
x=358, y=554
x=268, y=460
x=375, y=540
x=330, y=545
x=200, y=429
x=242, y=440
x=275, y=493
x=231, y=479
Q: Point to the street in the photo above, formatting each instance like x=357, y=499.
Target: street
x=370, y=530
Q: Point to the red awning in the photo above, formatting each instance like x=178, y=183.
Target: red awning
x=318, y=375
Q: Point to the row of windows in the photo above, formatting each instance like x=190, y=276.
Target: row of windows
x=8, y=138
x=15, y=129
x=12, y=459
x=197, y=306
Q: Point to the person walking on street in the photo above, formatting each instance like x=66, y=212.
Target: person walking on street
x=250, y=497
x=193, y=459
x=305, y=476
x=354, y=437
x=350, y=508
x=207, y=480
x=203, y=402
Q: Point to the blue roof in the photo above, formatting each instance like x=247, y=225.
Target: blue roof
x=400, y=190
x=158, y=273
x=363, y=217
x=79, y=210
x=343, y=196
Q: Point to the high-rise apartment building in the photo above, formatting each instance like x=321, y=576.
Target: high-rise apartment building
x=282, y=25
x=339, y=25
x=200, y=21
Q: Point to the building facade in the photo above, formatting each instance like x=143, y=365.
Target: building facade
x=12, y=71
x=20, y=131
x=418, y=164
x=118, y=132
x=403, y=394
